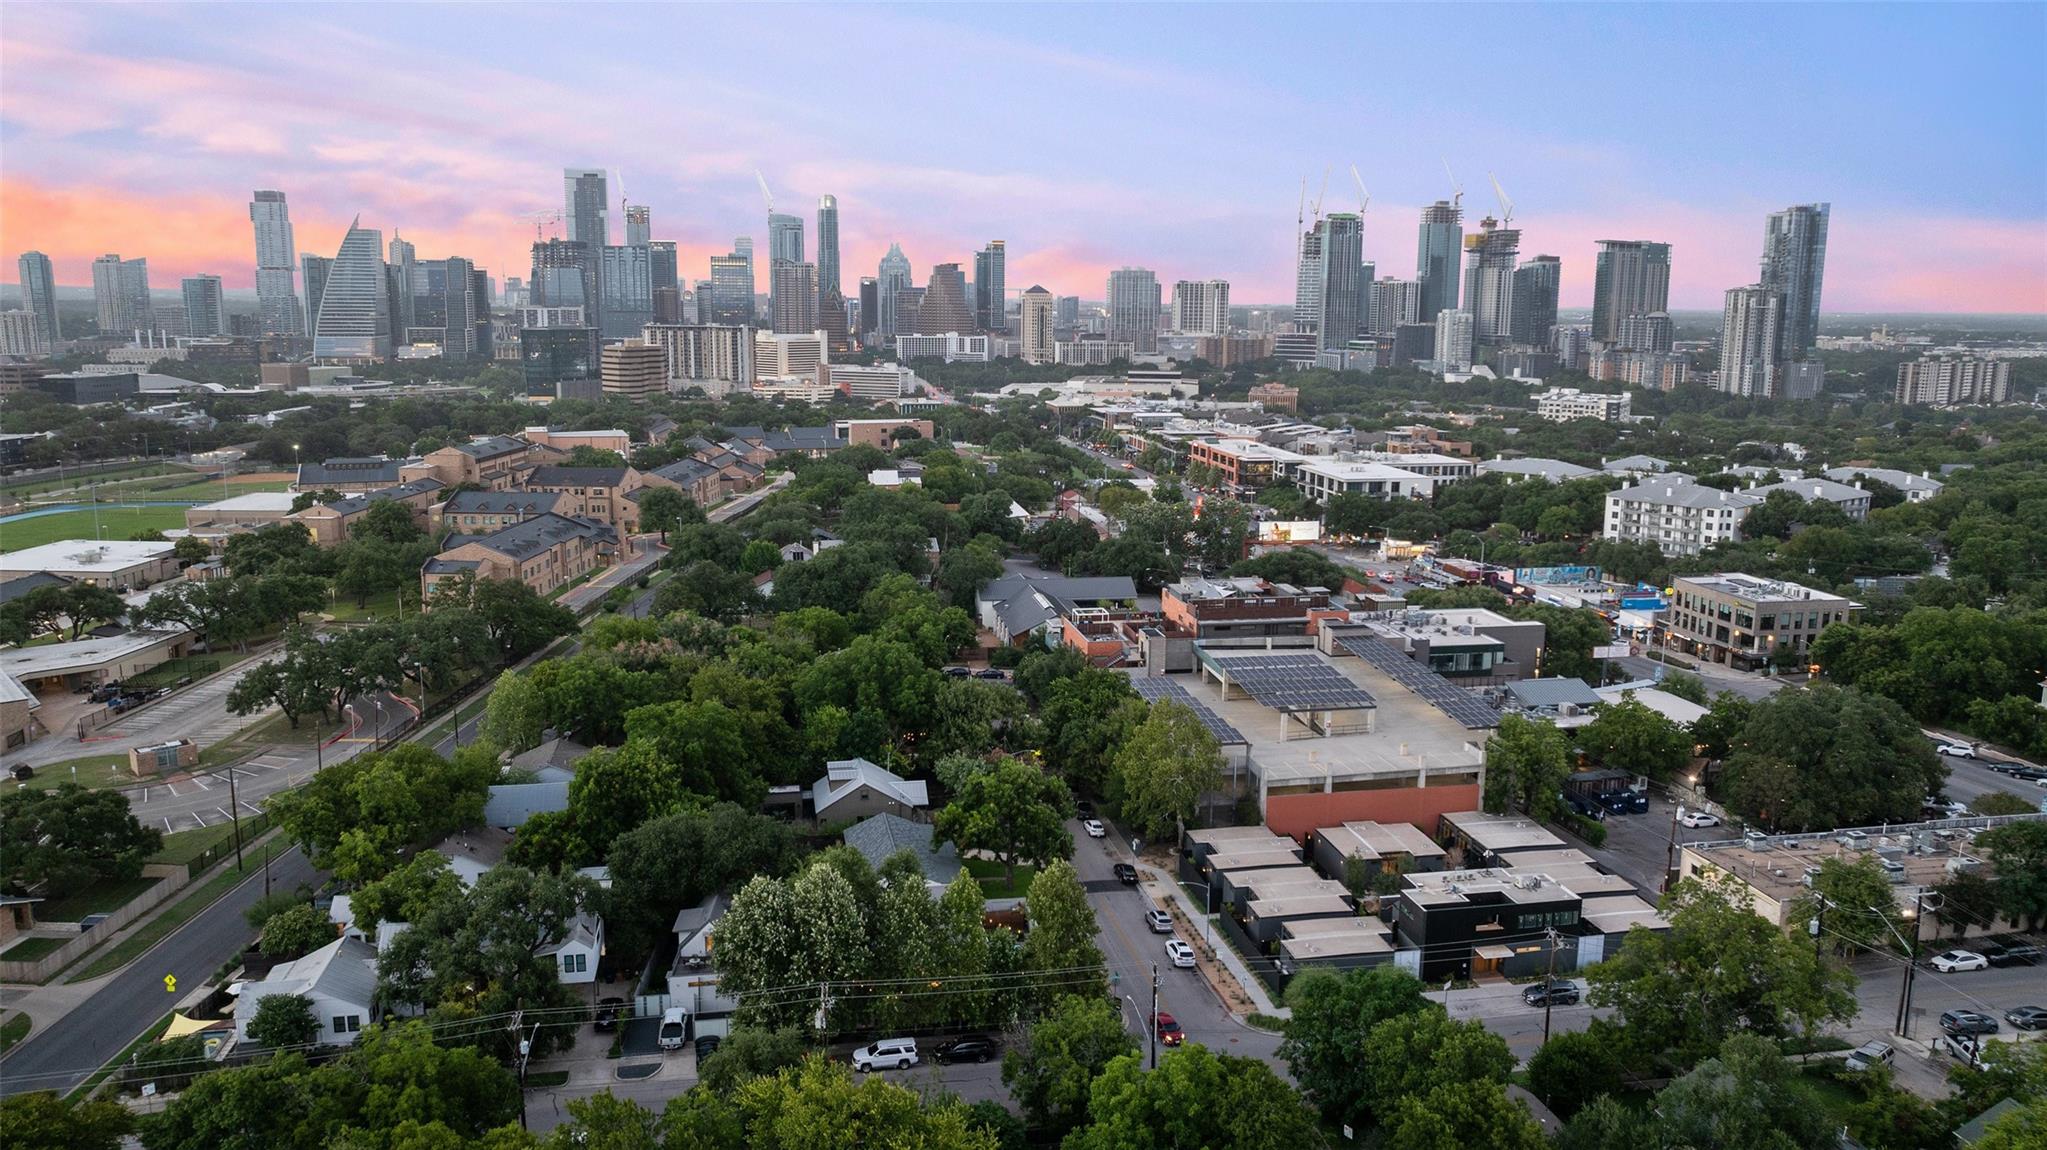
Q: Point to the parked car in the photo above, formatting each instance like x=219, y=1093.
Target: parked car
x=1159, y=921
x=1957, y=750
x=2017, y=954
x=1084, y=809
x=958, y=672
x=1585, y=807
x=2027, y=1017
x=1126, y=874
x=674, y=1026
x=1169, y=1030
x=707, y=1045
x=1967, y=1022
x=1180, y=953
x=22, y=772
x=1624, y=802
x=991, y=673
x=1960, y=1046
x=1954, y=960
x=1094, y=828
x=1871, y=1054
x=1552, y=994
x=900, y=1053
x=608, y=1012
x=972, y=1048
x=1699, y=819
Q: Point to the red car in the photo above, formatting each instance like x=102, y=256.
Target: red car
x=1169, y=1029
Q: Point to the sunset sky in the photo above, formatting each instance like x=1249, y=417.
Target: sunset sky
x=1173, y=138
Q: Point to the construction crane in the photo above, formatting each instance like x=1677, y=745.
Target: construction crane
x=1506, y=205
x=765, y=193
x=1320, y=194
x=541, y=220
x=1456, y=189
x=1364, y=197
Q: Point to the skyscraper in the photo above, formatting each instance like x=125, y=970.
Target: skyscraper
x=827, y=248
x=1454, y=334
x=731, y=290
x=662, y=268
x=120, y=289
x=639, y=225
x=991, y=292
x=909, y=309
x=792, y=298
x=277, y=304
x=785, y=238
x=1394, y=302
x=1200, y=307
x=405, y=274
x=945, y=308
x=39, y=295
x=1536, y=284
x=1795, y=263
x=1436, y=256
x=1133, y=300
x=586, y=209
x=205, y=306
x=628, y=290
x=563, y=276
x=892, y=277
x=465, y=311
x=1751, y=340
x=870, y=308
x=1035, y=323
x=355, y=315
x=1345, y=290
x=1308, y=281
x=313, y=273
x=1650, y=332
x=1489, y=281
x=1632, y=277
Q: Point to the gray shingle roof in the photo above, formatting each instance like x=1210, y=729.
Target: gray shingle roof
x=529, y=537
x=1826, y=489
x=501, y=502
x=511, y=804
x=492, y=446
x=882, y=835
x=1673, y=493
x=349, y=471
x=1554, y=470
x=576, y=477
x=845, y=776
x=401, y=491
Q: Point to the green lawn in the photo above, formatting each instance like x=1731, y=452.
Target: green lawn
x=14, y=1030
x=200, y=492
x=94, y=771
x=384, y=605
x=30, y=949
x=171, y=918
x=99, y=898
x=23, y=488
x=114, y=523
x=989, y=874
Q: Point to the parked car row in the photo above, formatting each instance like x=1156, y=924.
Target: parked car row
x=993, y=674
x=902, y=1053
x=1987, y=955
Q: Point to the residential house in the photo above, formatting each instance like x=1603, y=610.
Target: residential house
x=856, y=788
x=339, y=979
x=575, y=955
x=880, y=837
x=693, y=979
x=1017, y=605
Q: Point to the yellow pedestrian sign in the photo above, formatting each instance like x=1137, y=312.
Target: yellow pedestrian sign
x=170, y=983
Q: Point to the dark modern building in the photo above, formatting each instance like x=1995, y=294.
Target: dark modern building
x=1536, y=285
x=1629, y=278
x=84, y=389
x=551, y=354
x=1437, y=255
x=1795, y=263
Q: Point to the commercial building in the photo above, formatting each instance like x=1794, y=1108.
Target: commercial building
x=1466, y=646
x=1678, y=516
x=1547, y=470
x=1433, y=465
x=1036, y=327
x=1394, y=302
x=881, y=382
x=732, y=299
x=1275, y=396
x=1537, y=283
x=1630, y=278
x=544, y=552
x=1242, y=606
x=1132, y=296
x=780, y=355
x=119, y=565
x=1242, y=463
x=1437, y=253
x=951, y=346
x=1093, y=351
x=1454, y=332
x=636, y=371
x=1421, y=439
x=1344, y=300
x=792, y=297
x=945, y=307
x=991, y=292
x=893, y=275
x=1541, y=906
x=1563, y=404
x=1201, y=307
x=1489, y=257
x=1742, y=621
x=354, y=323
x=1325, y=479
x=1953, y=381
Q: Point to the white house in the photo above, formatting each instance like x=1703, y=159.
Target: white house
x=339, y=979
x=693, y=980
x=575, y=956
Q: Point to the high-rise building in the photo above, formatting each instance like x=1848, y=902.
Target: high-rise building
x=795, y=353
x=1036, y=323
x=1308, y=281
x=634, y=370
x=120, y=289
x=1631, y=277
x=205, y=306
x=313, y=272
x=1489, y=256
x=1536, y=284
x=563, y=276
x=828, y=249
x=715, y=357
x=1950, y=381
x=662, y=269
x=355, y=308
x=703, y=303
x=586, y=210
x=277, y=304
x=870, y=308
x=909, y=304
x=1346, y=292
x=785, y=238
x=1133, y=302
x=411, y=284
x=1066, y=313
x=1750, y=341
x=1649, y=332
x=628, y=279
x=1200, y=307
x=792, y=297
x=1436, y=255
x=21, y=333
x=1394, y=302
x=639, y=225
x=831, y=320
x=732, y=289
x=991, y=288
x=1795, y=263
x=1455, y=330
x=464, y=304
x=39, y=295
x=945, y=305
x=890, y=280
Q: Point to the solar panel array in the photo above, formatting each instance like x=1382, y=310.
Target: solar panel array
x=1294, y=683
x=1468, y=710
x=1158, y=689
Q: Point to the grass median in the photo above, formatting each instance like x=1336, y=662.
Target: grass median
x=14, y=1030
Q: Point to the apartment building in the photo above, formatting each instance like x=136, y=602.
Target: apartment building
x=1849, y=497
x=498, y=462
x=482, y=512
x=545, y=552
x=331, y=524
x=1742, y=620
x=1325, y=479
x=592, y=493
x=1952, y=381
x=1437, y=466
x=1563, y=404
x=1679, y=517
x=1421, y=439
x=560, y=439
x=1242, y=463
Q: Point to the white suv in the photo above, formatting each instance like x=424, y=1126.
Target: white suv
x=900, y=1053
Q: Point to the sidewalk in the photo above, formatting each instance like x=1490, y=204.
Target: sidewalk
x=1219, y=947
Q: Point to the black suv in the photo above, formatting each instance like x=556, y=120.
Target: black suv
x=1623, y=802
x=973, y=1048
x=2017, y=954
x=1552, y=994
x=1967, y=1022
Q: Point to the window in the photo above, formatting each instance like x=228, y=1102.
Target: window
x=575, y=963
x=347, y=1023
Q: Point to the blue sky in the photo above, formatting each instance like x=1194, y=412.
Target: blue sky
x=1172, y=137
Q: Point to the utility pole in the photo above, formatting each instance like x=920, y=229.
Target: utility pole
x=1549, y=983
x=518, y=1016
x=1911, y=965
x=1818, y=924
x=1670, y=852
x=1154, y=1027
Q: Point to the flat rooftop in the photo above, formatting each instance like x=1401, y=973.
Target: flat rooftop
x=83, y=655
x=1755, y=589
x=1616, y=915
x=1324, y=947
x=1299, y=906
x=279, y=501
x=1499, y=833
x=1776, y=868
x=1235, y=862
x=1267, y=885
x=1371, y=840
x=1218, y=836
x=84, y=556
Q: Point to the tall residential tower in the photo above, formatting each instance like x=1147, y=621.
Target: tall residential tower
x=1436, y=255
x=277, y=302
x=1631, y=277
x=1795, y=263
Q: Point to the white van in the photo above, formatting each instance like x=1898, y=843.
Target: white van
x=674, y=1025
x=900, y=1053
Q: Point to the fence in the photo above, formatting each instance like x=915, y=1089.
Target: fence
x=174, y=878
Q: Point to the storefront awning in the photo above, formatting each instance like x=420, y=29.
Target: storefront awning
x=1493, y=953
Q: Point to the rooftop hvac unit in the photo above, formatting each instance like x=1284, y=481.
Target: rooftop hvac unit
x=1961, y=864
x=1780, y=872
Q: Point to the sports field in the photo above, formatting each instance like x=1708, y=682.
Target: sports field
x=114, y=523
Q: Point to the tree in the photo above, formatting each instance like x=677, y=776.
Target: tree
x=1457, y=1115
x=1716, y=731
x=42, y=1121
x=706, y=744
x=1569, y=634
x=1087, y=716
x=1527, y=760
x=294, y=931
x=606, y=1122
x=387, y=520
x=677, y=860
x=1411, y=1054
x=87, y=605
x=707, y=589
x=1164, y=768
x=67, y=837
x=1719, y=969
x=1327, y=1039
x=357, y=818
x=1827, y=757
x=1964, y=899
x=2001, y=803
x=1062, y=931
x=1049, y=1072
x=2018, y=855
x=666, y=509
x=1015, y=812
x=2022, y=1129
x=513, y=718
x=1576, y=1067
x=1853, y=902
x=820, y=1106
x=751, y=1052
x=1605, y=1124
x=1749, y=1096
x=284, y=1022
x=618, y=788
x=1684, y=685
x=1194, y=1098
x=1631, y=736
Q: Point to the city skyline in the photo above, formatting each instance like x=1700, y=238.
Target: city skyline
x=159, y=157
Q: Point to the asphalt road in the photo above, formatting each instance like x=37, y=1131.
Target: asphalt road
x=59, y=1057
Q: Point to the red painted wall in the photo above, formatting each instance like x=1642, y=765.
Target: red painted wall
x=1298, y=816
